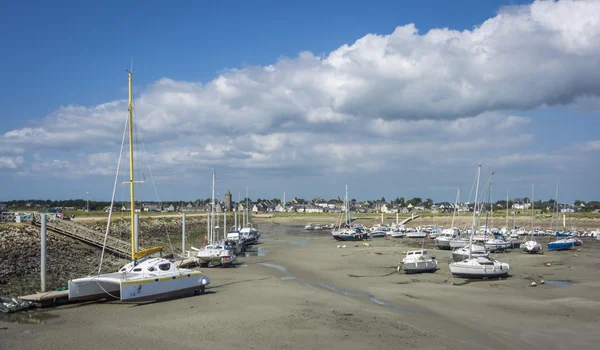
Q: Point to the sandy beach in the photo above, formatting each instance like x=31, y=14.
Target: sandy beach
x=302, y=292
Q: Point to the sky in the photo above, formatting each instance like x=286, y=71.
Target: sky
x=393, y=98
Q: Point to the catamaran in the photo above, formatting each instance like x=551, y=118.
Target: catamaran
x=144, y=278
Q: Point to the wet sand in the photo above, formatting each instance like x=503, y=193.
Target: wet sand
x=305, y=293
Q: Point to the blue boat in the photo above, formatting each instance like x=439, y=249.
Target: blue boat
x=561, y=234
x=562, y=244
x=355, y=234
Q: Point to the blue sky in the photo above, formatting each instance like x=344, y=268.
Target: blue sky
x=516, y=92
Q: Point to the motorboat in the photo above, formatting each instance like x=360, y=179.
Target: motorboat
x=417, y=261
x=309, y=227
x=250, y=235
x=458, y=242
x=443, y=240
x=214, y=255
x=412, y=233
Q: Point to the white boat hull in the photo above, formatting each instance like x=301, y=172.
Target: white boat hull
x=428, y=265
x=458, y=243
x=416, y=235
x=531, y=247
x=118, y=285
x=479, y=268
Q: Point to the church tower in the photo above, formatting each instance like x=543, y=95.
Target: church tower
x=228, y=204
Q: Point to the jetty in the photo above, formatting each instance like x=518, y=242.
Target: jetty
x=86, y=235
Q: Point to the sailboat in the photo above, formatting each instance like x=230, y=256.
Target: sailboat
x=498, y=242
x=144, y=278
x=477, y=267
x=563, y=243
x=532, y=246
x=344, y=231
x=216, y=253
x=443, y=240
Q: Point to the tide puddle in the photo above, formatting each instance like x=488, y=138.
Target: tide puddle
x=298, y=243
x=341, y=291
x=258, y=252
x=29, y=318
x=559, y=283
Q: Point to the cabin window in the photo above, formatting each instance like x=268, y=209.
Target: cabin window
x=137, y=269
x=123, y=270
x=151, y=268
x=165, y=267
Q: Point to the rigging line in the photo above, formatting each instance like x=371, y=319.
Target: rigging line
x=472, y=187
x=141, y=141
x=112, y=202
x=150, y=170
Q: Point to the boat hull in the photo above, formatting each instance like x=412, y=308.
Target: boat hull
x=472, y=269
x=560, y=246
x=116, y=286
x=420, y=266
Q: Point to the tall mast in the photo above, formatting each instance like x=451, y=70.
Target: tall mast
x=455, y=208
x=532, y=205
x=212, y=209
x=507, y=209
x=458, y=214
x=246, y=206
x=556, y=200
x=131, y=183
x=491, y=202
x=347, y=206
x=474, y=212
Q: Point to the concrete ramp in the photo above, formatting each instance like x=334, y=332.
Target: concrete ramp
x=407, y=220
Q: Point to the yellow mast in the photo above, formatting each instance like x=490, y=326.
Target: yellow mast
x=134, y=255
x=131, y=184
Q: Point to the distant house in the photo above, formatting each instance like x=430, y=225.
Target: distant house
x=567, y=210
x=170, y=208
x=255, y=208
x=313, y=209
x=420, y=206
x=404, y=210
x=521, y=206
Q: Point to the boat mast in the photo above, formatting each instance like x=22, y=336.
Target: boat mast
x=455, y=207
x=491, y=202
x=212, y=210
x=532, y=205
x=556, y=200
x=346, y=205
x=474, y=212
x=507, y=209
x=131, y=183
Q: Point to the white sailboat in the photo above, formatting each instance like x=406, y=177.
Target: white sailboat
x=532, y=246
x=144, y=278
x=443, y=240
x=478, y=267
x=216, y=252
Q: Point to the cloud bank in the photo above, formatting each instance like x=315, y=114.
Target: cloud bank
x=442, y=99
